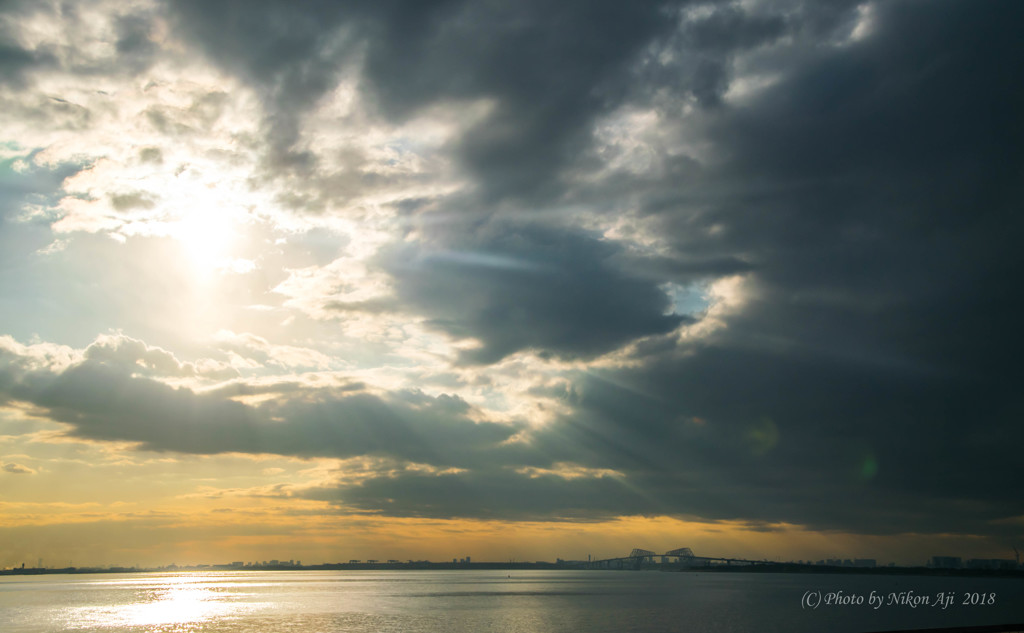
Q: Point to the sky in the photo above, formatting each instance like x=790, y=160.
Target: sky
x=513, y=280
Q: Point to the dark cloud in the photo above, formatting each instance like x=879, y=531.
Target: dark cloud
x=487, y=494
x=17, y=62
x=549, y=70
x=728, y=29
x=872, y=196
x=133, y=200
x=292, y=52
x=198, y=118
x=525, y=287
x=134, y=50
x=683, y=270
x=748, y=436
x=102, y=398
x=870, y=382
x=799, y=436
x=135, y=46
x=151, y=155
x=694, y=62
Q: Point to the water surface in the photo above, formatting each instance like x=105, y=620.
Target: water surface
x=487, y=601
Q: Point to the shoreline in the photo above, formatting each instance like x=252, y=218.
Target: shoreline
x=762, y=568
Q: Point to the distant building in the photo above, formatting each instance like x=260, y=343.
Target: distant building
x=864, y=562
x=991, y=563
x=945, y=562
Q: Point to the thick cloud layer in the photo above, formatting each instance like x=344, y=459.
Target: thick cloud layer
x=869, y=383
x=103, y=397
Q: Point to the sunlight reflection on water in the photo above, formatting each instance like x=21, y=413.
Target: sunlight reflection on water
x=171, y=604
x=472, y=601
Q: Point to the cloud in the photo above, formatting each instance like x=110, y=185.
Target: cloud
x=754, y=433
x=869, y=380
x=550, y=70
x=16, y=357
x=776, y=242
x=523, y=287
x=695, y=61
x=739, y=435
x=485, y=494
x=18, y=61
x=135, y=45
x=15, y=62
x=262, y=351
x=134, y=356
x=292, y=55
x=547, y=72
x=17, y=469
x=103, y=397
x=44, y=37
x=866, y=380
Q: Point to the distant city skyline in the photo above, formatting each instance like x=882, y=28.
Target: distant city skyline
x=683, y=556
x=651, y=560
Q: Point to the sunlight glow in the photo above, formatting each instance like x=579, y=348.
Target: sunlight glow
x=207, y=236
x=164, y=601
x=179, y=604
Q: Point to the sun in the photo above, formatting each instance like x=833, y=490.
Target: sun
x=207, y=212
x=208, y=238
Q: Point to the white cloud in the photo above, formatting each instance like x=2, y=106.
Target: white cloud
x=18, y=469
x=37, y=356
x=569, y=471
x=261, y=351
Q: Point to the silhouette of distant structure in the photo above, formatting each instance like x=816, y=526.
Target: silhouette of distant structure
x=945, y=562
x=991, y=563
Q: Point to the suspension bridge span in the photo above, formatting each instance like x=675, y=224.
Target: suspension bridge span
x=682, y=557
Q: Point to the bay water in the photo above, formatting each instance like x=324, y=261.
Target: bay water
x=521, y=601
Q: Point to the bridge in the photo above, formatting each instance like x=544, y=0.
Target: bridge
x=680, y=558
